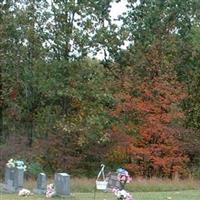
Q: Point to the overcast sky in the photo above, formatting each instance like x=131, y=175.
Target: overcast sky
x=118, y=8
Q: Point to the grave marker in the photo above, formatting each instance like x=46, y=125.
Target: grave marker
x=113, y=181
x=41, y=184
x=14, y=179
x=62, y=184
x=18, y=178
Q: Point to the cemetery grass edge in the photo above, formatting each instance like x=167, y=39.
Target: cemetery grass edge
x=176, y=195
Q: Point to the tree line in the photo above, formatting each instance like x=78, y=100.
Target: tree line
x=138, y=107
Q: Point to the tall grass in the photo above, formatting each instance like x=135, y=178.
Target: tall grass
x=158, y=185
x=84, y=185
x=141, y=185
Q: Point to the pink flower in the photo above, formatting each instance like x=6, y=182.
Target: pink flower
x=50, y=191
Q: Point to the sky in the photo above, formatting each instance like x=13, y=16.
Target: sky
x=116, y=10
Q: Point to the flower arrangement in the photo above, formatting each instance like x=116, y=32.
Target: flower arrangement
x=10, y=163
x=50, y=191
x=16, y=163
x=123, y=176
x=122, y=194
x=25, y=192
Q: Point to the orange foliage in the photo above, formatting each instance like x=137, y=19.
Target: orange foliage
x=154, y=150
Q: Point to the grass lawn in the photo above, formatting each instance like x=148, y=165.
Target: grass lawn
x=179, y=195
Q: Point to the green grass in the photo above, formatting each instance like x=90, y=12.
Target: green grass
x=142, y=189
x=175, y=195
x=161, y=185
x=84, y=185
x=141, y=185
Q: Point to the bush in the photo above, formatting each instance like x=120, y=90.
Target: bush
x=34, y=169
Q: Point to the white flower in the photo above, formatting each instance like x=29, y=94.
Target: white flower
x=122, y=194
x=16, y=163
x=25, y=192
x=10, y=163
x=25, y=168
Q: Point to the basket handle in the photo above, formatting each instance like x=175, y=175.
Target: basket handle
x=101, y=172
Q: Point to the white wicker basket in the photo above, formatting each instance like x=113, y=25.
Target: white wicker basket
x=101, y=185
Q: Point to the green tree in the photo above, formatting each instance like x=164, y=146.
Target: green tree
x=24, y=42
x=191, y=104
x=79, y=130
x=9, y=71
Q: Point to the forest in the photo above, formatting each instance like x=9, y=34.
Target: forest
x=79, y=88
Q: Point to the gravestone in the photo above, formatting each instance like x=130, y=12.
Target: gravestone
x=9, y=180
x=62, y=184
x=41, y=184
x=14, y=179
x=18, y=178
x=113, y=181
x=9, y=174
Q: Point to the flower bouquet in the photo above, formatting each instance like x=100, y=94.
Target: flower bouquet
x=25, y=192
x=122, y=194
x=123, y=176
x=50, y=191
x=16, y=163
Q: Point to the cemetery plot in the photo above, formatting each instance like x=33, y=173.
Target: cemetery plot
x=14, y=180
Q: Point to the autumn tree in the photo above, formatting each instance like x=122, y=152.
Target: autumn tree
x=124, y=108
x=154, y=106
x=146, y=138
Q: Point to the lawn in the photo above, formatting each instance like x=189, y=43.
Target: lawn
x=179, y=195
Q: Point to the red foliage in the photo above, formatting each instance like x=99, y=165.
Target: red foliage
x=13, y=94
x=154, y=150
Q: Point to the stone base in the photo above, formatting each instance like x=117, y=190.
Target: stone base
x=39, y=191
x=1, y=187
x=10, y=189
